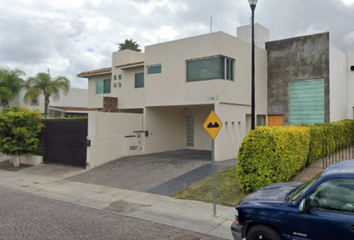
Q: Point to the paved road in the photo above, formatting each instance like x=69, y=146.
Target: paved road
x=26, y=216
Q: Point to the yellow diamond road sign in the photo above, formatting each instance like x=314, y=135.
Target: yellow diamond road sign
x=212, y=125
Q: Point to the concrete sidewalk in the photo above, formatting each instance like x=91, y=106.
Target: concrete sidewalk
x=186, y=214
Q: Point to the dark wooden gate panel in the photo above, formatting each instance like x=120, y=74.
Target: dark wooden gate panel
x=64, y=142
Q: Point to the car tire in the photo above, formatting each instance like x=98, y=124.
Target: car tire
x=262, y=232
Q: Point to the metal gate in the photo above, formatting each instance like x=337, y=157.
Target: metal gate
x=65, y=142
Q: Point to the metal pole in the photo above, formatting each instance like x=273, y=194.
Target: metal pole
x=213, y=172
x=253, y=111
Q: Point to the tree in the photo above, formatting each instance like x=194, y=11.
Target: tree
x=50, y=87
x=10, y=84
x=129, y=44
x=19, y=132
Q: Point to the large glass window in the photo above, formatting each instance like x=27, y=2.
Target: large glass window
x=154, y=69
x=103, y=86
x=139, y=80
x=218, y=67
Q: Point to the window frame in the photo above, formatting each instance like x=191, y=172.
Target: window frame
x=154, y=65
x=265, y=120
x=103, y=86
x=226, y=59
x=35, y=104
x=135, y=85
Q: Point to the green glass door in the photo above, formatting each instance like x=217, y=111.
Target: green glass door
x=306, y=102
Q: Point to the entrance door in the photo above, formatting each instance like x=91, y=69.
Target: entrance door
x=190, y=131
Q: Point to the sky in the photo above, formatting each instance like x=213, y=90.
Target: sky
x=72, y=36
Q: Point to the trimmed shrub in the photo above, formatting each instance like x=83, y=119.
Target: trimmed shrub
x=19, y=130
x=272, y=154
x=329, y=138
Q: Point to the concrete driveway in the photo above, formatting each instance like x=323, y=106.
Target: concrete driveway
x=160, y=173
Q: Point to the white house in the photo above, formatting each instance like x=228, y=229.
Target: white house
x=176, y=84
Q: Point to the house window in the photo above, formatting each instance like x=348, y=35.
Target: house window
x=103, y=86
x=211, y=68
x=114, y=85
x=154, y=69
x=119, y=76
x=35, y=101
x=139, y=80
x=115, y=77
x=261, y=120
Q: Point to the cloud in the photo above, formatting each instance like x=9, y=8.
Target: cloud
x=71, y=36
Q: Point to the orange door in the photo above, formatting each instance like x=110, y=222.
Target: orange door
x=275, y=120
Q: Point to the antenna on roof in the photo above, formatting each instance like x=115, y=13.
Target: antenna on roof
x=211, y=24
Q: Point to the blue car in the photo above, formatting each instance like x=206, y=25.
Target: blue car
x=320, y=209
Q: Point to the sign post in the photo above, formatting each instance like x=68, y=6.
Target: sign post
x=212, y=126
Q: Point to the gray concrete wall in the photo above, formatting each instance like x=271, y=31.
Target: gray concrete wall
x=296, y=59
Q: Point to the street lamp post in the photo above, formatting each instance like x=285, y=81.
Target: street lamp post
x=253, y=4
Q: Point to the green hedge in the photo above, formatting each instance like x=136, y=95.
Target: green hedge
x=269, y=155
x=329, y=138
x=64, y=119
x=272, y=154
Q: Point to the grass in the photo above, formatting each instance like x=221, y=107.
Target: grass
x=228, y=191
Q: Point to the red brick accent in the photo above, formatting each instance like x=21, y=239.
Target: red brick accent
x=110, y=104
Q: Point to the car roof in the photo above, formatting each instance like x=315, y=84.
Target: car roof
x=344, y=167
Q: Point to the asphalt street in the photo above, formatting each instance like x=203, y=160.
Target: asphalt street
x=26, y=216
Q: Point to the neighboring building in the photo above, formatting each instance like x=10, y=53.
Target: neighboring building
x=76, y=98
x=307, y=81
x=175, y=85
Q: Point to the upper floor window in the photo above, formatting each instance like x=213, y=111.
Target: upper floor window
x=218, y=67
x=139, y=80
x=103, y=86
x=154, y=69
x=35, y=101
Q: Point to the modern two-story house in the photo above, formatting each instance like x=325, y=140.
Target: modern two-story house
x=174, y=85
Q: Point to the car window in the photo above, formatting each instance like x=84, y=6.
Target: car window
x=303, y=188
x=334, y=195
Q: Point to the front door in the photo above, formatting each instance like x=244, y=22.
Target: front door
x=190, y=131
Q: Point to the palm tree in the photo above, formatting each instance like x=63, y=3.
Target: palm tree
x=10, y=84
x=129, y=44
x=44, y=84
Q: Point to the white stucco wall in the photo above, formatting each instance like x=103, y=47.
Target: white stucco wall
x=96, y=100
x=233, y=131
x=170, y=87
x=350, y=74
x=129, y=97
x=77, y=97
x=110, y=135
x=261, y=34
x=338, y=84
